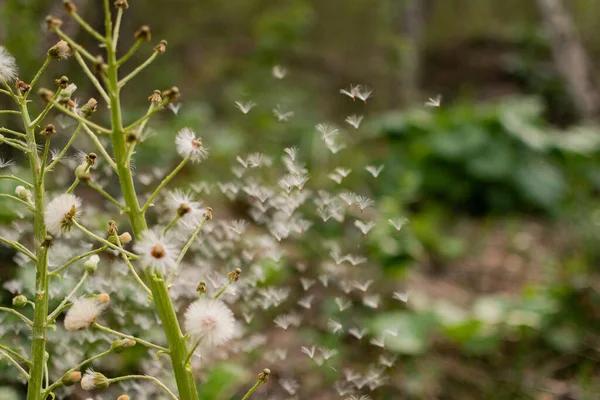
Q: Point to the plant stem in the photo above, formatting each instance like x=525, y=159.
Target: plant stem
x=15, y=178
x=105, y=194
x=139, y=69
x=75, y=259
x=91, y=76
x=126, y=336
x=10, y=112
x=131, y=268
x=13, y=353
x=16, y=364
x=252, y=389
x=100, y=147
x=88, y=28
x=52, y=317
x=80, y=119
x=19, y=134
x=75, y=46
x=39, y=74
x=38, y=346
x=164, y=183
x=185, y=249
x=151, y=111
x=64, y=150
x=18, y=314
x=19, y=247
x=102, y=240
x=129, y=53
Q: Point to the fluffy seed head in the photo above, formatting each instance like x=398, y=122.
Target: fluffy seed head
x=85, y=311
x=188, y=145
x=8, y=65
x=94, y=380
x=210, y=320
x=157, y=251
x=60, y=214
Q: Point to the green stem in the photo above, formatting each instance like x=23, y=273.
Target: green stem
x=100, y=147
x=10, y=131
x=9, y=111
x=185, y=250
x=131, y=268
x=45, y=156
x=225, y=286
x=63, y=304
x=16, y=178
x=105, y=194
x=46, y=109
x=16, y=364
x=129, y=53
x=117, y=29
x=13, y=353
x=163, y=184
x=136, y=71
x=26, y=204
x=80, y=119
x=252, y=389
x=88, y=28
x=39, y=74
x=38, y=346
x=18, y=314
x=146, y=377
x=73, y=186
x=171, y=224
x=65, y=149
x=189, y=357
x=126, y=336
x=151, y=111
x=19, y=247
x=91, y=76
x=102, y=240
x=75, y=46
x=14, y=143
x=75, y=259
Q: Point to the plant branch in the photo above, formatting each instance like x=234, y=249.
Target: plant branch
x=102, y=240
x=15, y=198
x=16, y=364
x=64, y=150
x=80, y=119
x=146, y=377
x=18, y=314
x=139, y=69
x=75, y=46
x=106, y=195
x=92, y=77
x=63, y=304
x=39, y=74
x=100, y=147
x=75, y=259
x=16, y=178
x=185, y=249
x=130, y=52
x=6, y=130
x=164, y=183
x=126, y=336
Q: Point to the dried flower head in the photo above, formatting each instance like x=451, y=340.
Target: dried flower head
x=60, y=214
x=84, y=312
x=157, y=251
x=210, y=320
x=190, y=146
x=143, y=34
x=8, y=65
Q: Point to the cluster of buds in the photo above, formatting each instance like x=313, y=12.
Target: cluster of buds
x=69, y=7
x=122, y=4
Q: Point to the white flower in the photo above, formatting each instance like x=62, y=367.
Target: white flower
x=354, y=120
x=190, y=146
x=187, y=209
x=60, y=214
x=8, y=65
x=210, y=320
x=157, y=251
x=84, y=312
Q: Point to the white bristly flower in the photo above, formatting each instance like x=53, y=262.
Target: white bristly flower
x=210, y=320
x=157, y=251
x=354, y=120
x=8, y=65
x=85, y=311
x=245, y=107
x=185, y=206
x=60, y=214
x=190, y=146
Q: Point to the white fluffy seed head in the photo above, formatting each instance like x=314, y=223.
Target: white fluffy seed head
x=210, y=320
x=8, y=65
x=157, y=251
x=85, y=311
x=190, y=146
x=60, y=214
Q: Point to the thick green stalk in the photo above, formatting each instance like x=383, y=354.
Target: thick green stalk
x=38, y=346
x=177, y=345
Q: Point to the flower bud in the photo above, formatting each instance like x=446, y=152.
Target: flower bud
x=69, y=7
x=161, y=47
x=62, y=82
x=132, y=137
x=112, y=228
x=22, y=87
x=103, y=298
x=234, y=275
x=99, y=65
x=89, y=108
x=53, y=23
x=23, y=193
x=143, y=34
x=19, y=301
x=46, y=94
x=91, y=264
x=171, y=94
x=121, y=4
x=82, y=174
x=208, y=213
x=123, y=397
x=47, y=241
x=118, y=345
x=94, y=380
x=201, y=288
x=71, y=378
x=125, y=238
x=264, y=375
x=90, y=159
x=155, y=97
x=60, y=50
x=49, y=130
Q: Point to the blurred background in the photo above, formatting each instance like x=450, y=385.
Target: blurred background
x=500, y=182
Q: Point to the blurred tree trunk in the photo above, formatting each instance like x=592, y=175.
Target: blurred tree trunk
x=411, y=54
x=570, y=57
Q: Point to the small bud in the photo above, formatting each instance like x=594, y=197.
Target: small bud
x=161, y=47
x=49, y=130
x=171, y=94
x=125, y=238
x=46, y=94
x=132, y=137
x=22, y=87
x=112, y=228
x=94, y=380
x=90, y=159
x=69, y=7
x=123, y=397
x=201, y=288
x=53, y=23
x=234, y=275
x=99, y=65
x=143, y=34
x=23, y=193
x=47, y=241
x=62, y=82
x=71, y=378
x=19, y=301
x=264, y=375
x=208, y=213
x=183, y=209
x=89, y=108
x=121, y=4
x=60, y=50
x=155, y=97
x=91, y=264
x=82, y=174
x=118, y=345
x=103, y=298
